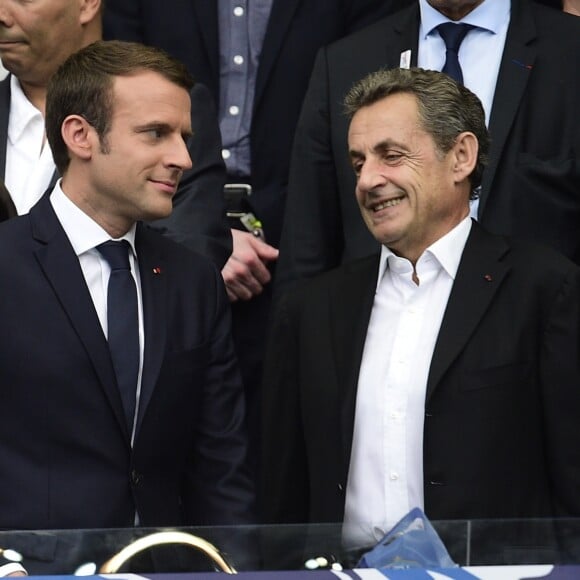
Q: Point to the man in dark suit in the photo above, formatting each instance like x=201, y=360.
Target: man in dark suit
x=291, y=33
x=441, y=374
x=7, y=209
x=43, y=34
x=72, y=456
x=530, y=187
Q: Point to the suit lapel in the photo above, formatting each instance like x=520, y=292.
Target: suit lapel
x=479, y=277
x=4, y=116
x=154, y=291
x=516, y=66
x=278, y=23
x=350, y=306
x=61, y=267
x=404, y=37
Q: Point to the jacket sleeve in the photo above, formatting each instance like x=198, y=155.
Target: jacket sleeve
x=312, y=230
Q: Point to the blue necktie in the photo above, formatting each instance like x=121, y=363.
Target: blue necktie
x=123, y=323
x=453, y=35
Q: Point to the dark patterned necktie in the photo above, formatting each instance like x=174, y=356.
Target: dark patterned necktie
x=453, y=35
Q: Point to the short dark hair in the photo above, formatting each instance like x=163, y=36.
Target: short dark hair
x=446, y=108
x=83, y=85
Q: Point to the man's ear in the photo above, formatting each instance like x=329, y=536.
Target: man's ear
x=78, y=136
x=89, y=10
x=465, y=151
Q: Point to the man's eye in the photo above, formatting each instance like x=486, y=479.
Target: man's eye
x=154, y=133
x=392, y=157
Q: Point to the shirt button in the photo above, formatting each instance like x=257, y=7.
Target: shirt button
x=234, y=110
x=226, y=154
x=238, y=11
x=394, y=476
x=238, y=59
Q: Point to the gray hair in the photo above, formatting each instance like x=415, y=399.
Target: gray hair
x=446, y=108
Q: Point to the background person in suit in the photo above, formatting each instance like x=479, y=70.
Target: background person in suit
x=7, y=209
x=256, y=59
x=117, y=117
x=570, y=6
x=35, y=38
x=517, y=61
x=442, y=373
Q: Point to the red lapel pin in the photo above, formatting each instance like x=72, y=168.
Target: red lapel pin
x=157, y=270
x=488, y=278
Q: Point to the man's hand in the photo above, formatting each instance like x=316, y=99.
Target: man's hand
x=12, y=569
x=246, y=272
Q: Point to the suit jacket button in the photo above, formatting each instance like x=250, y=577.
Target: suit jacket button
x=340, y=488
x=135, y=477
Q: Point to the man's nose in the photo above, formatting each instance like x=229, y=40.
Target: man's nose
x=372, y=175
x=179, y=155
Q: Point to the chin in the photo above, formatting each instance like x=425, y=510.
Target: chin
x=157, y=213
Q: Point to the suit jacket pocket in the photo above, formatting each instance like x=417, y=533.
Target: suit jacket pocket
x=495, y=377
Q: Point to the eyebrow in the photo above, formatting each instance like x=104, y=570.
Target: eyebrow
x=389, y=144
x=163, y=126
x=380, y=146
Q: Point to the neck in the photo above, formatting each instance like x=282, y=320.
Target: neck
x=457, y=12
x=91, y=204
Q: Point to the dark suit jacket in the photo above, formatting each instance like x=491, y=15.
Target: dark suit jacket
x=532, y=185
x=198, y=218
x=7, y=209
x=188, y=29
x=502, y=401
x=65, y=453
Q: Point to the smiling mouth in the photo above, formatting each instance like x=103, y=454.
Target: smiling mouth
x=387, y=203
x=9, y=42
x=168, y=186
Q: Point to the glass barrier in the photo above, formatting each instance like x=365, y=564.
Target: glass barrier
x=291, y=547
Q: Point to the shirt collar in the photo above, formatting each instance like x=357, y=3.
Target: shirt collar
x=446, y=250
x=490, y=16
x=22, y=111
x=83, y=232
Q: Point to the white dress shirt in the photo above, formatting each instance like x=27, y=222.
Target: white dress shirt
x=385, y=478
x=85, y=235
x=480, y=52
x=29, y=162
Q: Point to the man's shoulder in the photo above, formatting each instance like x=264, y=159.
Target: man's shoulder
x=539, y=258
x=535, y=260
x=338, y=283
x=553, y=31
x=550, y=21
x=149, y=238
x=374, y=34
